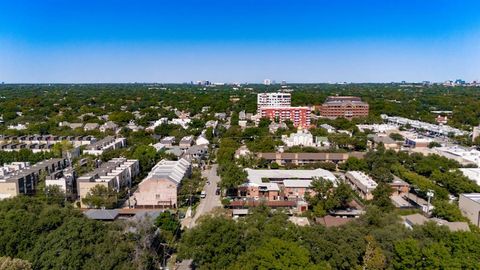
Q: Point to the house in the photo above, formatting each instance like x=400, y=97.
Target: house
x=328, y=128
x=159, y=189
x=469, y=204
x=242, y=151
x=196, y=152
x=377, y=139
x=158, y=146
x=134, y=127
x=90, y=126
x=273, y=127
x=186, y=142
x=211, y=123
x=183, y=122
x=361, y=183
x=175, y=150
x=117, y=173
x=201, y=140
x=70, y=125
x=110, y=125
x=168, y=141
x=221, y=116
x=399, y=186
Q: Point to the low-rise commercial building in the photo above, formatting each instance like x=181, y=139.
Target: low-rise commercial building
x=361, y=183
x=343, y=106
x=274, y=185
x=307, y=158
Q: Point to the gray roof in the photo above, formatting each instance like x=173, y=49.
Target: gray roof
x=102, y=214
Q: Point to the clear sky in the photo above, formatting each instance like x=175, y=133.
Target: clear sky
x=239, y=41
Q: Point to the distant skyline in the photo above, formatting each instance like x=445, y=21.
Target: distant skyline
x=122, y=41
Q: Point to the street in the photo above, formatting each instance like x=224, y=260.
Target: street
x=210, y=202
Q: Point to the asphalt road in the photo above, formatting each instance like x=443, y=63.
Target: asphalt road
x=211, y=201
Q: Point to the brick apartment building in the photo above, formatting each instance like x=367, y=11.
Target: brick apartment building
x=300, y=116
x=343, y=106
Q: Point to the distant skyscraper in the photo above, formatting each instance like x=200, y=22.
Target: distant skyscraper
x=267, y=82
x=284, y=82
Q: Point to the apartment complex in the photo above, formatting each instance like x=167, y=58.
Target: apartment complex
x=47, y=139
x=108, y=143
x=277, y=106
x=117, y=173
x=25, y=179
x=273, y=100
x=361, y=183
x=300, y=116
x=159, y=189
x=343, y=106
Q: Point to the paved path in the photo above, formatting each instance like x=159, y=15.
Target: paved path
x=211, y=201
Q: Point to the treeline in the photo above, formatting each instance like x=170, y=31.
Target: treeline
x=377, y=240
x=53, y=237
x=25, y=155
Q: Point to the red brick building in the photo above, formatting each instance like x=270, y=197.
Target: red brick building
x=343, y=106
x=300, y=116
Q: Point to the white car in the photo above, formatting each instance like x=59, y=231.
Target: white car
x=203, y=194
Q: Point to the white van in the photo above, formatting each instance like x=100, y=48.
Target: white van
x=203, y=194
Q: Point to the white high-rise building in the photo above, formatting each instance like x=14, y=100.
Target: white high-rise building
x=273, y=100
x=267, y=82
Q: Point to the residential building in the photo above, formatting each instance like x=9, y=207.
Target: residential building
x=201, y=140
x=242, y=151
x=186, y=142
x=159, y=189
x=108, y=143
x=157, y=123
x=441, y=120
x=25, y=179
x=91, y=126
x=183, y=122
x=377, y=128
x=343, y=106
x=110, y=125
x=361, y=183
x=299, y=116
x=168, y=141
x=273, y=100
x=273, y=127
x=117, y=173
x=328, y=128
x=196, y=152
x=47, y=139
x=133, y=126
x=65, y=180
x=221, y=116
x=388, y=143
x=399, y=187
x=469, y=204
x=307, y=158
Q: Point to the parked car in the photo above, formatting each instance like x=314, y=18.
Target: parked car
x=203, y=194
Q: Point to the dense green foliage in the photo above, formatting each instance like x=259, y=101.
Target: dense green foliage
x=266, y=240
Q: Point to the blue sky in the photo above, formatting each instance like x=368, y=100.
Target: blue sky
x=239, y=41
